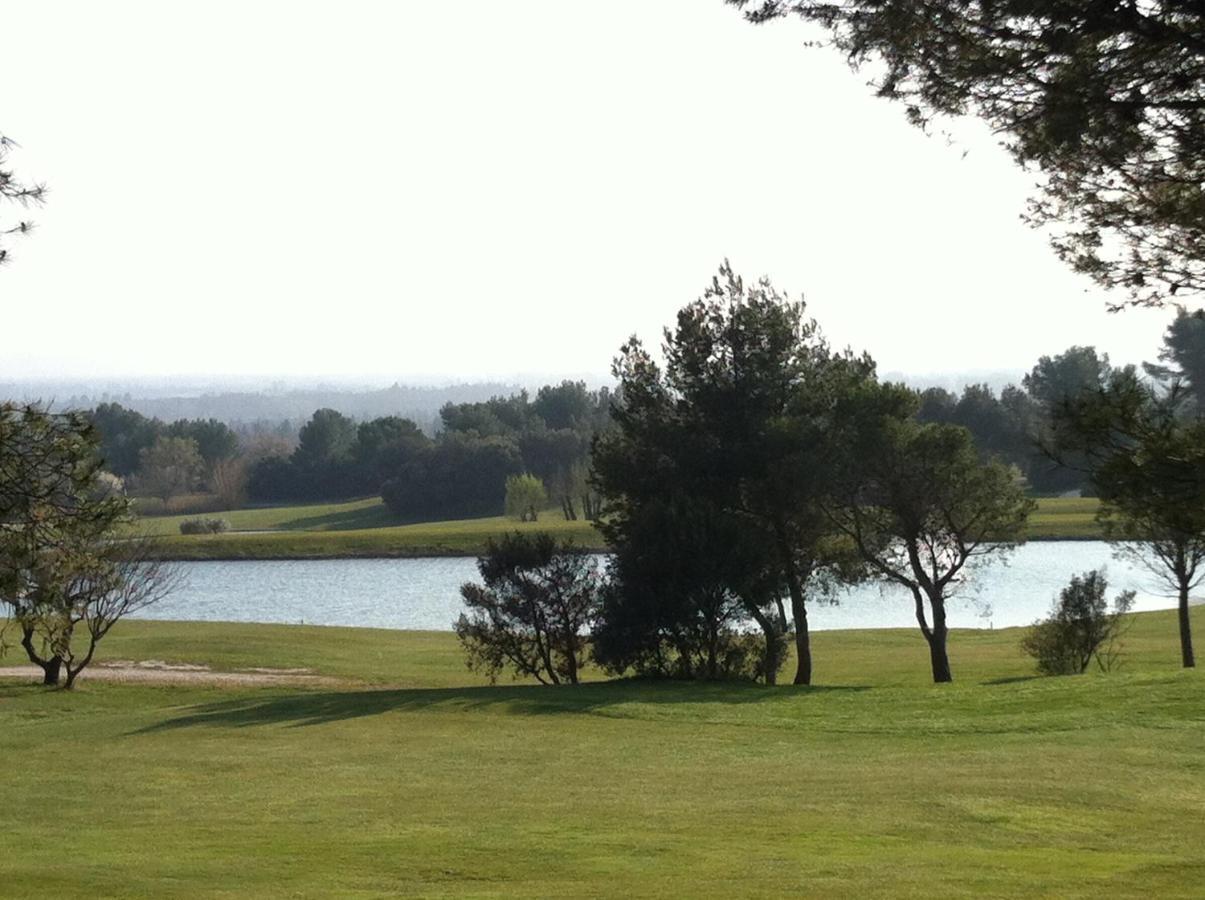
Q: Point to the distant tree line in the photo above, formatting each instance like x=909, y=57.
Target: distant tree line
x=167, y=459
x=461, y=472
x=540, y=444
x=1010, y=426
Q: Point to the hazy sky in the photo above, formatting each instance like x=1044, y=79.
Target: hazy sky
x=474, y=188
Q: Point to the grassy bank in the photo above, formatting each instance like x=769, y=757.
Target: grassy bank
x=414, y=779
x=365, y=528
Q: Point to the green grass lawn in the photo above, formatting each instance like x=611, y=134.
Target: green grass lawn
x=1065, y=518
x=413, y=778
x=365, y=528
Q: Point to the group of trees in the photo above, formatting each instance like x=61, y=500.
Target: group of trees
x=70, y=565
x=757, y=468
x=792, y=468
x=539, y=445
x=1141, y=443
x=1013, y=425
x=165, y=460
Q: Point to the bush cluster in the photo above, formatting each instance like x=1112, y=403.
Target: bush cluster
x=1080, y=628
x=204, y=526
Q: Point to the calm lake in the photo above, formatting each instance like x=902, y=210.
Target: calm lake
x=424, y=593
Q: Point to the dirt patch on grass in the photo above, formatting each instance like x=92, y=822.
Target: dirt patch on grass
x=156, y=671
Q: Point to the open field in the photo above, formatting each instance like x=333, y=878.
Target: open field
x=411, y=778
x=1065, y=518
x=364, y=528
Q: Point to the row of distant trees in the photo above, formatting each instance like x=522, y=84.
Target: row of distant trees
x=1016, y=425
x=462, y=471
x=540, y=444
x=168, y=459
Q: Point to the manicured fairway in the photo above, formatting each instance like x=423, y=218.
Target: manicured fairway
x=412, y=778
x=364, y=528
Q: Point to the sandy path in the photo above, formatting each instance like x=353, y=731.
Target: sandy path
x=153, y=671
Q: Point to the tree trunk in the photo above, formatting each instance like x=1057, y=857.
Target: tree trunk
x=770, y=669
x=938, y=657
x=571, y=662
x=799, y=612
x=770, y=658
x=803, y=639
x=51, y=668
x=1186, y=654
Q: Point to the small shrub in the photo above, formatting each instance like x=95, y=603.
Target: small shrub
x=534, y=610
x=204, y=526
x=1080, y=628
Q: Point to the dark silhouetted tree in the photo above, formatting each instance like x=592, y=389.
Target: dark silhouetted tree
x=685, y=579
x=533, y=612
x=739, y=419
x=124, y=434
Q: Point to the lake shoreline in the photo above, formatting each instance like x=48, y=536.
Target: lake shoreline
x=364, y=529
x=198, y=552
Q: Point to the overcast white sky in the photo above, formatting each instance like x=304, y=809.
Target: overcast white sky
x=479, y=188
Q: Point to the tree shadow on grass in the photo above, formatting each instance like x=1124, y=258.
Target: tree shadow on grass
x=343, y=520
x=1013, y=679
x=321, y=707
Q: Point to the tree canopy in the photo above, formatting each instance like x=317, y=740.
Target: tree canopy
x=738, y=418
x=1105, y=99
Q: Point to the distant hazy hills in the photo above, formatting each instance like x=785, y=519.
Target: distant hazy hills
x=249, y=404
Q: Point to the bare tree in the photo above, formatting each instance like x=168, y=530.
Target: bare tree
x=228, y=478
x=67, y=567
x=60, y=633
x=169, y=467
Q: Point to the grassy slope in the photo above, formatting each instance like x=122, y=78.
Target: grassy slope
x=365, y=528
x=421, y=781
